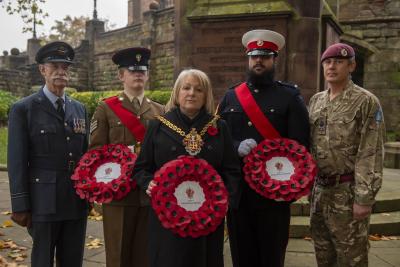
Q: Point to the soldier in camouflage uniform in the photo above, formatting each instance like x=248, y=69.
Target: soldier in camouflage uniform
x=347, y=135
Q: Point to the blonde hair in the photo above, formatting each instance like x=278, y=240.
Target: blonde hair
x=205, y=84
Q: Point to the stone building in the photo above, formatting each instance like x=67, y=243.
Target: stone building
x=207, y=35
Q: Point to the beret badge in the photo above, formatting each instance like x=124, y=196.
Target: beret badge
x=343, y=52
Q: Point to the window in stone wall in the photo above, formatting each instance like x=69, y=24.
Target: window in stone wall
x=358, y=74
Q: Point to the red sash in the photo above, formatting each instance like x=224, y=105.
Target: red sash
x=253, y=111
x=127, y=118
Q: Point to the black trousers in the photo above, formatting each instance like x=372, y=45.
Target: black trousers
x=64, y=238
x=258, y=231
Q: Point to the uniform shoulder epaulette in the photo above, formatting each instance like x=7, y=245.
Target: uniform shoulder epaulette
x=105, y=98
x=235, y=85
x=288, y=84
x=153, y=101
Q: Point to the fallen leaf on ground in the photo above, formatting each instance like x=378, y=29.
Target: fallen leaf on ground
x=385, y=214
x=95, y=243
x=6, y=212
x=95, y=216
x=307, y=238
x=7, y=223
x=378, y=237
x=1, y=234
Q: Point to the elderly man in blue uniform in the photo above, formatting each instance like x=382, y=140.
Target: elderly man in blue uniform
x=259, y=228
x=47, y=135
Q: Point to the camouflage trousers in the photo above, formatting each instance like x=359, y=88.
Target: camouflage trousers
x=339, y=240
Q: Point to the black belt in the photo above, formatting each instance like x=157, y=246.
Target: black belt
x=64, y=165
x=335, y=179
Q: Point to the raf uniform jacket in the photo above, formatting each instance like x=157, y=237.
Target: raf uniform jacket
x=43, y=150
x=347, y=136
x=284, y=107
x=107, y=128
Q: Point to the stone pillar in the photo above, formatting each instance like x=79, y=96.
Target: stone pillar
x=183, y=35
x=134, y=12
x=32, y=47
x=304, y=46
x=93, y=29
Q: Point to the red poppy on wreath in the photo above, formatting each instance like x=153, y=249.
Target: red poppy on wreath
x=105, y=174
x=280, y=169
x=211, y=130
x=190, y=197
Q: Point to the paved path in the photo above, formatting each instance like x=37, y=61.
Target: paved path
x=300, y=252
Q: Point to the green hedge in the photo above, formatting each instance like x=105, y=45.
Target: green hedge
x=6, y=100
x=92, y=98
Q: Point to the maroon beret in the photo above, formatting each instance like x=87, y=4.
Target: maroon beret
x=338, y=50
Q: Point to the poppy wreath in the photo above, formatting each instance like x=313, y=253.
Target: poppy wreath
x=86, y=184
x=260, y=180
x=195, y=223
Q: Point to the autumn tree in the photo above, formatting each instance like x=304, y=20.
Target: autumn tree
x=29, y=10
x=70, y=30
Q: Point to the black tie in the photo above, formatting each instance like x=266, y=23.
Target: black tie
x=60, y=109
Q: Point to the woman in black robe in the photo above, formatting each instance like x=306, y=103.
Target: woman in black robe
x=191, y=106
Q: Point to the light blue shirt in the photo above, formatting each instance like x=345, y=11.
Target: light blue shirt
x=52, y=97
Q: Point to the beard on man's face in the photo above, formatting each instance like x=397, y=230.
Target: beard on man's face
x=261, y=79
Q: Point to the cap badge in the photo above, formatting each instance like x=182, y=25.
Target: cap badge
x=260, y=42
x=343, y=52
x=138, y=57
x=61, y=50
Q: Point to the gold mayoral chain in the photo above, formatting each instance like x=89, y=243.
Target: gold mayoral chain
x=192, y=141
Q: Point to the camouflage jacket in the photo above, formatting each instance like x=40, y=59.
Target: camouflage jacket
x=347, y=136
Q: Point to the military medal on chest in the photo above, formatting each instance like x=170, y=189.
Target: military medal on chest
x=79, y=125
x=192, y=141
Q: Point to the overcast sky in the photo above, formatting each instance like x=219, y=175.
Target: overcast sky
x=11, y=25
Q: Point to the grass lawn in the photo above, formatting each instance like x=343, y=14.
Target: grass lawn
x=3, y=145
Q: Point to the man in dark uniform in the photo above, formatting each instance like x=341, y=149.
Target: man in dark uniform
x=47, y=134
x=259, y=228
x=125, y=221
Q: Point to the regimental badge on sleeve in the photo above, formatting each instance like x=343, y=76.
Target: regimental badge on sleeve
x=378, y=115
x=93, y=126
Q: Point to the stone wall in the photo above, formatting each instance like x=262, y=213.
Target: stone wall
x=377, y=23
x=15, y=81
x=105, y=71
x=156, y=32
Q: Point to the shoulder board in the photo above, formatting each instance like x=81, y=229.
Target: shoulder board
x=105, y=98
x=234, y=86
x=287, y=84
x=153, y=101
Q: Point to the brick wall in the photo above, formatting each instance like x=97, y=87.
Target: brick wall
x=377, y=23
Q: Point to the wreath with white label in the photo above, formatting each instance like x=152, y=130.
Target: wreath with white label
x=280, y=169
x=190, y=197
x=105, y=174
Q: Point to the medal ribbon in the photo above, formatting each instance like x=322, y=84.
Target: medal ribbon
x=127, y=118
x=253, y=111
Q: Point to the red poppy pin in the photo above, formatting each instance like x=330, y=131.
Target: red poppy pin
x=212, y=130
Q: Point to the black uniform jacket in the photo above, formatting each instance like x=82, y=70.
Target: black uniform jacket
x=161, y=145
x=42, y=151
x=284, y=107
